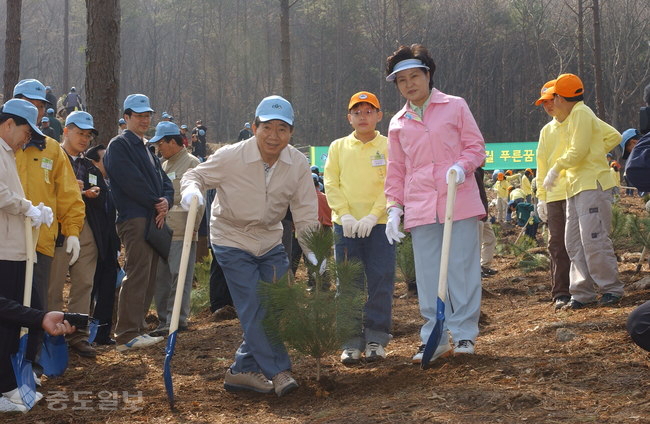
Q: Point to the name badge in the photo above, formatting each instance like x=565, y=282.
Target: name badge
x=378, y=160
x=172, y=176
x=47, y=163
x=92, y=179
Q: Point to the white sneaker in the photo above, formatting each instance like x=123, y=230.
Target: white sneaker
x=374, y=352
x=138, y=342
x=284, y=383
x=442, y=351
x=254, y=381
x=350, y=356
x=464, y=347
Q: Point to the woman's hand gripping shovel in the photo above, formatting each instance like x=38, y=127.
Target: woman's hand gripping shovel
x=436, y=334
x=22, y=366
x=176, y=312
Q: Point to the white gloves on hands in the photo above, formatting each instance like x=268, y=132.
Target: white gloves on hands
x=47, y=216
x=72, y=246
x=549, y=181
x=392, y=226
x=311, y=257
x=349, y=224
x=365, y=224
x=542, y=211
x=35, y=214
x=40, y=214
x=187, y=194
x=460, y=174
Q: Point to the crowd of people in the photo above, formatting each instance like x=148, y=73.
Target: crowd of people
x=131, y=197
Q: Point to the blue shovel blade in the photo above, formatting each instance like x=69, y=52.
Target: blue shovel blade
x=92, y=330
x=24, y=374
x=167, y=371
x=54, y=355
x=436, y=335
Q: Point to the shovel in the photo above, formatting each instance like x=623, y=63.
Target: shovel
x=436, y=334
x=21, y=365
x=176, y=311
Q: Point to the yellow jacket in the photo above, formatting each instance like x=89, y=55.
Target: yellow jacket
x=47, y=176
x=354, y=177
x=501, y=187
x=585, y=160
x=552, y=144
x=525, y=185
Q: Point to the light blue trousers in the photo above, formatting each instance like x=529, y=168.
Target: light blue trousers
x=463, y=300
x=166, y=280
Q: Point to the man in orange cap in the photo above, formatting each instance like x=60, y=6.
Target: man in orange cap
x=589, y=196
x=551, y=205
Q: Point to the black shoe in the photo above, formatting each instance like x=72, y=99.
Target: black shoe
x=561, y=301
x=104, y=342
x=574, y=304
x=488, y=271
x=609, y=299
x=83, y=348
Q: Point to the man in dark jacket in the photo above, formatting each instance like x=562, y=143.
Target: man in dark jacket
x=142, y=192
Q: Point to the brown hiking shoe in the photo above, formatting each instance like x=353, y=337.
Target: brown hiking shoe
x=225, y=313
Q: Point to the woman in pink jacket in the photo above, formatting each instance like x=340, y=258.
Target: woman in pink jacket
x=432, y=134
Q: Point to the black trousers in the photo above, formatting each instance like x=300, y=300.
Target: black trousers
x=638, y=325
x=12, y=287
x=219, y=293
x=103, y=295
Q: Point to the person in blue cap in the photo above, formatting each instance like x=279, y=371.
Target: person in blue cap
x=199, y=146
x=122, y=126
x=178, y=160
x=46, y=129
x=55, y=124
x=143, y=194
x=51, y=98
x=78, y=133
x=629, y=138
x=245, y=133
x=256, y=181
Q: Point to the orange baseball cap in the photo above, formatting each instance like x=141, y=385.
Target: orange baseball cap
x=567, y=85
x=363, y=97
x=544, y=94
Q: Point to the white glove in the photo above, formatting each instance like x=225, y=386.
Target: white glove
x=187, y=194
x=549, y=181
x=460, y=174
x=311, y=257
x=364, y=226
x=392, y=226
x=35, y=214
x=47, y=216
x=542, y=211
x=72, y=246
x=349, y=224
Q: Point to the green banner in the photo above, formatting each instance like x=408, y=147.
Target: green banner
x=519, y=155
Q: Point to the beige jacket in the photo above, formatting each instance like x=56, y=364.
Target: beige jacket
x=246, y=214
x=13, y=207
x=175, y=167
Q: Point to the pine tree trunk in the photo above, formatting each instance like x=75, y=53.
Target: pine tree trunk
x=103, y=66
x=317, y=369
x=598, y=67
x=66, y=47
x=12, y=48
x=285, y=47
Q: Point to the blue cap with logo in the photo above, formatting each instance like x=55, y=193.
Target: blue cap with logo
x=83, y=120
x=164, y=129
x=25, y=110
x=30, y=88
x=138, y=103
x=274, y=107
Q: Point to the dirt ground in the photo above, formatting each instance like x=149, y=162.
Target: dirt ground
x=521, y=371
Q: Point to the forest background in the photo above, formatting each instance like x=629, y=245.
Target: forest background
x=215, y=59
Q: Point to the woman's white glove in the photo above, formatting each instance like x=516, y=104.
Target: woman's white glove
x=392, y=226
x=542, y=211
x=35, y=214
x=72, y=246
x=187, y=194
x=349, y=224
x=549, y=181
x=311, y=257
x=47, y=216
x=460, y=174
x=365, y=225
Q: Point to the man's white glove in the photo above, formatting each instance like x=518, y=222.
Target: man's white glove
x=542, y=211
x=311, y=257
x=392, y=226
x=460, y=174
x=72, y=246
x=549, y=181
x=35, y=214
x=47, y=216
x=364, y=226
x=349, y=224
x=187, y=194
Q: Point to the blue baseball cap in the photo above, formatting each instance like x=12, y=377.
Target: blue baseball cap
x=183, y=127
x=83, y=120
x=627, y=135
x=138, y=103
x=165, y=115
x=164, y=129
x=247, y=125
x=404, y=65
x=25, y=110
x=121, y=122
x=45, y=119
x=274, y=107
x=32, y=89
x=201, y=133
x=50, y=111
